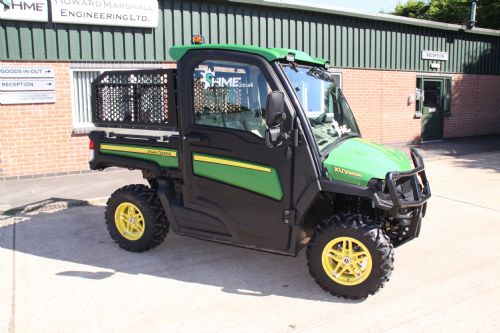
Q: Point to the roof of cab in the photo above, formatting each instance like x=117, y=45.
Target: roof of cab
x=271, y=54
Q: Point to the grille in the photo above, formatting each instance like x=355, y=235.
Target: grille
x=216, y=99
x=405, y=185
x=143, y=99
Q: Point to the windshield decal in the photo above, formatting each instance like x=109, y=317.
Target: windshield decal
x=209, y=79
x=341, y=129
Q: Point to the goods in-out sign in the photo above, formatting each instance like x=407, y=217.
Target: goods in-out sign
x=127, y=13
x=435, y=55
x=15, y=72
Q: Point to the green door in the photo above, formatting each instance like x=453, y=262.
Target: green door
x=433, y=109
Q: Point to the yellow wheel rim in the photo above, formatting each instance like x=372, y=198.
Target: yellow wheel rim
x=346, y=261
x=129, y=221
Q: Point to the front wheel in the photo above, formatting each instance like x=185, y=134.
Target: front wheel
x=350, y=257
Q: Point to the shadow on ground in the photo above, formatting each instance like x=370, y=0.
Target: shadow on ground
x=78, y=235
x=478, y=161
x=460, y=146
x=50, y=205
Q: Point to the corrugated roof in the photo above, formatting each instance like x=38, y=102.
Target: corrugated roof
x=327, y=9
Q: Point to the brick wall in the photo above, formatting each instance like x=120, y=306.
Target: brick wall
x=379, y=100
x=38, y=139
x=475, y=106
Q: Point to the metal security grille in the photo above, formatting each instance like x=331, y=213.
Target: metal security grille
x=82, y=113
x=216, y=99
x=135, y=99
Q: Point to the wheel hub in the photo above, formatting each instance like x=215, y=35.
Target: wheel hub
x=129, y=221
x=347, y=261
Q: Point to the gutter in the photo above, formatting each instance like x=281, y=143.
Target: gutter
x=333, y=10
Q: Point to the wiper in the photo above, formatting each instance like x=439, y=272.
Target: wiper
x=347, y=136
x=320, y=74
x=334, y=144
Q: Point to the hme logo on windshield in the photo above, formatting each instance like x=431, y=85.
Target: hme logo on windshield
x=209, y=79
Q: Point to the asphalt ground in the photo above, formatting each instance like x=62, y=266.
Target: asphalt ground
x=61, y=271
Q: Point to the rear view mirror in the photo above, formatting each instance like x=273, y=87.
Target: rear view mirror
x=275, y=108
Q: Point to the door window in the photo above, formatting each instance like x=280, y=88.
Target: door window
x=230, y=95
x=432, y=95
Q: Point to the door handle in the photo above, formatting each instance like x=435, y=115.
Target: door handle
x=199, y=140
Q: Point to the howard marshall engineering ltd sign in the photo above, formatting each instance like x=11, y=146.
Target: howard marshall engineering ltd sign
x=126, y=13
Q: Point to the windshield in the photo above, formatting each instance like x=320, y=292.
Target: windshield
x=326, y=108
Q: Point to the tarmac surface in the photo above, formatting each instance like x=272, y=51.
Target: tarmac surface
x=61, y=271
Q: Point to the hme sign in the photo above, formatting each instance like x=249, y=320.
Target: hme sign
x=25, y=10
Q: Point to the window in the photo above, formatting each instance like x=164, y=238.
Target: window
x=82, y=106
x=230, y=95
x=309, y=89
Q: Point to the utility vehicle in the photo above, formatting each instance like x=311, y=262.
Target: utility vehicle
x=255, y=147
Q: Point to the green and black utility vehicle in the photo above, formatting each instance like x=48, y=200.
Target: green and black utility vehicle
x=255, y=147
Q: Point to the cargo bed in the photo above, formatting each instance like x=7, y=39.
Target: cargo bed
x=135, y=117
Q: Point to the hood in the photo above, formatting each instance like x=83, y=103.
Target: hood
x=356, y=161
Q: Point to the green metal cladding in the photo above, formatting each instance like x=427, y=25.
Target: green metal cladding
x=344, y=41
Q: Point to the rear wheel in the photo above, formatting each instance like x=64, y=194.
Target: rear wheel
x=350, y=257
x=135, y=218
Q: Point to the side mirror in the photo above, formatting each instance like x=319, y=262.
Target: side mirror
x=275, y=107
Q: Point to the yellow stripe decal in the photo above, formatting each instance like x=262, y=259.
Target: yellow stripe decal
x=214, y=160
x=147, y=151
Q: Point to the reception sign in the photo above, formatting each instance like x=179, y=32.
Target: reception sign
x=126, y=13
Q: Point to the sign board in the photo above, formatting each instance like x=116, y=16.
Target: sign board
x=16, y=72
x=27, y=97
x=25, y=10
x=27, y=84
x=127, y=13
x=435, y=55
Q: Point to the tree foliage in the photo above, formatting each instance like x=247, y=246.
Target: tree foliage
x=452, y=11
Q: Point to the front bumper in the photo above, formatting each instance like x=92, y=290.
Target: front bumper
x=405, y=190
x=405, y=196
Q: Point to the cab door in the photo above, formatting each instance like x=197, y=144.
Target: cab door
x=235, y=187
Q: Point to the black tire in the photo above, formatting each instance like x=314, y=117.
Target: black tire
x=155, y=224
x=374, y=239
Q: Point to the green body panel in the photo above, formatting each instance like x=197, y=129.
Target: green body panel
x=356, y=161
x=163, y=161
x=262, y=182
x=270, y=54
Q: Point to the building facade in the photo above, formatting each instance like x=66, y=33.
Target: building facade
x=406, y=80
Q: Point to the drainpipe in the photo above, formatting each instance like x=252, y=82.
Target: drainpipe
x=472, y=21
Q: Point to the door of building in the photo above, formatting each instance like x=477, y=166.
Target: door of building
x=433, y=106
